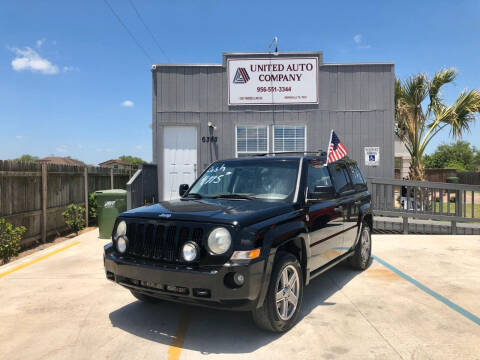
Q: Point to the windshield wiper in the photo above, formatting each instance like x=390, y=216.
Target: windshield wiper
x=233, y=196
x=195, y=195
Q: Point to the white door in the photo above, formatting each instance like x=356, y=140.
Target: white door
x=179, y=159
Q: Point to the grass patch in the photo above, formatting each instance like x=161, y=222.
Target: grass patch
x=451, y=208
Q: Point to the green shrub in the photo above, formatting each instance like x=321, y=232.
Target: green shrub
x=9, y=240
x=92, y=209
x=74, y=217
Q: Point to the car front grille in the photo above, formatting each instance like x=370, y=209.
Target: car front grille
x=161, y=242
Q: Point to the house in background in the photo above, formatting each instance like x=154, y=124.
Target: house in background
x=117, y=164
x=58, y=160
x=402, y=159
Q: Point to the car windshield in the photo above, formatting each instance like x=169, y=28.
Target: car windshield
x=248, y=179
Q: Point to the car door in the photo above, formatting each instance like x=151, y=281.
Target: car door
x=346, y=202
x=325, y=220
x=361, y=197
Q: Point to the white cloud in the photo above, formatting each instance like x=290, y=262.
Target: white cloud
x=139, y=147
x=358, y=39
x=19, y=137
x=128, y=103
x=70, y=68
x=29, y=59
x=40, y=42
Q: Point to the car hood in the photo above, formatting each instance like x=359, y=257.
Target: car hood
x=224, y=211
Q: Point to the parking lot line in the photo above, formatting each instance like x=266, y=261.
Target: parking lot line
x=430, y=292
x=175, y=348
x=19, y=267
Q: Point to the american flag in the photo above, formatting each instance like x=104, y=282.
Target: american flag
x=336, y=150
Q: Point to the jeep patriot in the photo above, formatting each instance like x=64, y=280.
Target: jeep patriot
x=249, y=234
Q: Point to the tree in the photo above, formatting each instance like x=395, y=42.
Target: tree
x=417, y=124
x=132, y=160
x=460, y=156
x=27, y=158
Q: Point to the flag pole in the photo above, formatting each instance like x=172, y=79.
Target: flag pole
x=328, y=150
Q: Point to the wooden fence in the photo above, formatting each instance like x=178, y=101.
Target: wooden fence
x=472, y=178
x=35, y=194
x=439, y=175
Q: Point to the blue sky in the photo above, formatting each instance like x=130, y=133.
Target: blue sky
x=69, y=70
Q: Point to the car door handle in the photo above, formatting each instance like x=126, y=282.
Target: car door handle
x=338, y=208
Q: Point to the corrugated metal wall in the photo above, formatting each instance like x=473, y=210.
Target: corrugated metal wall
x=356, y=100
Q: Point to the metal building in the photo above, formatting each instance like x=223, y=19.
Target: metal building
x=206, y=112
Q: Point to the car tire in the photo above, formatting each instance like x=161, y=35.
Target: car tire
x=280, y=316
x=145, y=298
x=363, y=250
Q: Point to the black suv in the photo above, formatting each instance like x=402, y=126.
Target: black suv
x=249, y=234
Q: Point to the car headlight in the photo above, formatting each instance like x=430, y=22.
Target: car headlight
x=190, y=251
x=219, y=241
x=121, y=244
x=121, y=229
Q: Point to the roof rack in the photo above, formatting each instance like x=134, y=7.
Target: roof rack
x=318, y=153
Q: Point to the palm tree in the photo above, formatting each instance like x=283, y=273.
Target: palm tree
x=420, y=114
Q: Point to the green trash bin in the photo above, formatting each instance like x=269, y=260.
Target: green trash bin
x=110, y=203
x=452, y=180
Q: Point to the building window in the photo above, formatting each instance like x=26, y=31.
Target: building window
x=398, y=162
x=251, y=139
x=289, y=138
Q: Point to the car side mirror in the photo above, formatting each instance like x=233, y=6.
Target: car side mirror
x=322, y=192
x=182, y=189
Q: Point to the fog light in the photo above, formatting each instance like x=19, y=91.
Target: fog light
x=239, y=279
x=190, y=251
x=121, y=244
x=201, y=293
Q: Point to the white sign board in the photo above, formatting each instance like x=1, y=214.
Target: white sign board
x=272, y=81
x=372, y=156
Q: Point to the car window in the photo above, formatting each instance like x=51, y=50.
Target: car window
x=261, y=179
x=341, y=180
x=317, y=176
x=358, y=180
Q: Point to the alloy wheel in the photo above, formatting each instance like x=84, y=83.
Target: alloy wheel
x=286, y=292
x=365, y=246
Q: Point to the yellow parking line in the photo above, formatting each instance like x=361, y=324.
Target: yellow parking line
x=175, y=348
x=38, y=259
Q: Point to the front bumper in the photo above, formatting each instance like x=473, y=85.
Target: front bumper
x=192, y=286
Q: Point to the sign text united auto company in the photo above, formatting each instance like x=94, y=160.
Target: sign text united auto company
x=267, y=81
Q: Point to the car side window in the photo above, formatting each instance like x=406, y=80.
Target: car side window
x=341, y=180
x=358, y=180
x=317, y=176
